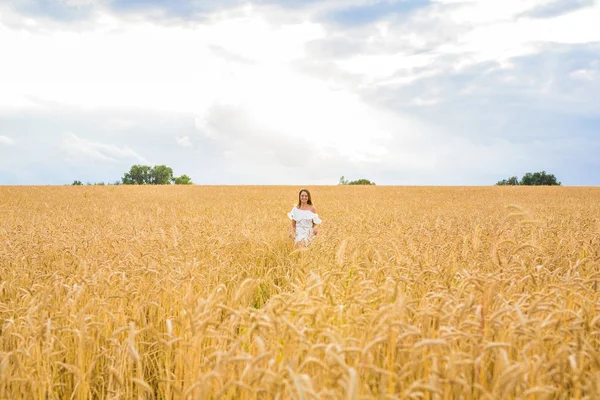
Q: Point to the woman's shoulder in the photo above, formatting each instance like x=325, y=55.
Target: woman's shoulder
x=312, y=209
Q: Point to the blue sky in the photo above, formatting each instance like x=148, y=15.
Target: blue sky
x=406, y=92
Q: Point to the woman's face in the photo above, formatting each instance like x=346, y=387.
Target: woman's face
x=303, y=197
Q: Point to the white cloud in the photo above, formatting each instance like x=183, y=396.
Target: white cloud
x=284, y=103
x=471, y=31
x=5, y=140
x=123, y=63
x=185, y=142
x=584, y=75
x=80, y=3
x=420, y=101
x=82, y=150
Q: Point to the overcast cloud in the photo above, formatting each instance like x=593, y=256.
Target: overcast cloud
x=406, y=92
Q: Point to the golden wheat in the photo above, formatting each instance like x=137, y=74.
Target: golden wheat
x=195, y=292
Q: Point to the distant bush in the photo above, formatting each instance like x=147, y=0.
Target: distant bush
x=531, y=179
x=361, y=181
x=183, y=180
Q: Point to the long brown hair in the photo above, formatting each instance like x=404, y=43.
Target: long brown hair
x=309, y=202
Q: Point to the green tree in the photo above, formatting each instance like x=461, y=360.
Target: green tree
x=527, y=179
x=539, y=179
x=157, y=175
x=532, y=179
x=77, y=183
x=183, y=180
x=512, y=181
x=161, y=175
x=361, y=181
x=137, y=175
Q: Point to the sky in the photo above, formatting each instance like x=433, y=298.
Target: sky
x=300, y=92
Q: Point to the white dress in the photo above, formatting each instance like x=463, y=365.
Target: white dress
x=304, y=223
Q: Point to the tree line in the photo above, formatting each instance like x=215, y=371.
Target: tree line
x=531, y=179
x=362, y=181
x=163, y=175
x=147, y=175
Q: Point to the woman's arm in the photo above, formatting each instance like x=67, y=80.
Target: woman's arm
x=293, y=230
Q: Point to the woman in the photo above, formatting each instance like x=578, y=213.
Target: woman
x=304, y=220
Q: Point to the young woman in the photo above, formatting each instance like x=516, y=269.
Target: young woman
x=304, y=220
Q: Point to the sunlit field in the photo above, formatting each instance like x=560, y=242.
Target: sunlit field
x=127, y=292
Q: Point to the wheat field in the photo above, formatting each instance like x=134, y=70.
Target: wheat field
x=191, y=292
